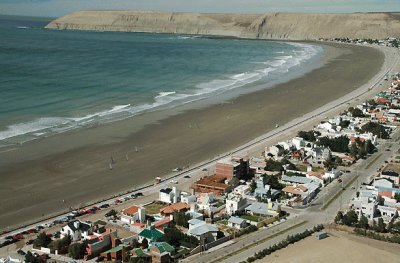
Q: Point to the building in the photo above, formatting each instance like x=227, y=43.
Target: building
x=151, y=234
x=270, y=209
x=382, y=183
x=321, y=235
x=204, y=232
x=235, y=202
x=161, y=252
x=98, y=244
x=232, y=167
x=236, y=222
x=133, y=214
x=171, y=209
x=212, y=184
x=77, y=230
x=169, y=196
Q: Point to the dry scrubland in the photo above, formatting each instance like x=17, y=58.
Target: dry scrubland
x=337, y=248
x=268, y=26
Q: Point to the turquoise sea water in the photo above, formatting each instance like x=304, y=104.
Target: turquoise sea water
x=55, y=81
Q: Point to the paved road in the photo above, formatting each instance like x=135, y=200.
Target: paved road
x=311, y=216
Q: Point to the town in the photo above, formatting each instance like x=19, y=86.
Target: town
x=239, y=195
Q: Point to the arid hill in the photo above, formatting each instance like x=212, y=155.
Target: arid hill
x=267, y=26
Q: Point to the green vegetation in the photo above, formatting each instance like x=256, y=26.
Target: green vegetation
x=100, y=222
x=284, y=243
x=245, y=231
x=397, y=197
x=181, y=219
x=111, y=213
x=251, y=218
x=273, y=181
x=344, y=124
x=376, y=129
x=277, y=166
x=176, y=238
x=77, y=250
x=61, y=245
x=338, y=144
x=30, y=258
x=310, y=136
x=42, y=240
x=360, y=149
x=356, y=112
x=154, y=208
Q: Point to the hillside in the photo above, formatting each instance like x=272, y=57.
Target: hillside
x=267, y=26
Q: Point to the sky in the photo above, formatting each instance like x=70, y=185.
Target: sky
x=56, y=8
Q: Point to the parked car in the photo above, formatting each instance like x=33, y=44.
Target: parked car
x=104, y=206
x=21, y=252
x=29, y=242
x=18, y=237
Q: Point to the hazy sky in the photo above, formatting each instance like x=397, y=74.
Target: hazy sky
x=61, y=7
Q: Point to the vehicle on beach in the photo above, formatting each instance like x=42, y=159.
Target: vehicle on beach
x=177, y=169
x=186, y=176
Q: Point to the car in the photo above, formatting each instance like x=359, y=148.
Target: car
x=21, y=252
x=29, y=242
x=186, y=176
x=8, y=237
x=388, y=150
x=18, y=237
x=32, y=230
x=339, y=180
x=56, y=234
x=177, y=169
x=353, y=187
x=204, y=169
x=139, y=194
x=104, y=206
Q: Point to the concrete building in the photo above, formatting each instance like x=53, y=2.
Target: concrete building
x=77, y=230
x=235, y=202
x=236, y=222
x=232, y=167
x=133, y=214
x=170, y=196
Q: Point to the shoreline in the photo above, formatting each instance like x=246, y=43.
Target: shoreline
x=246, y=103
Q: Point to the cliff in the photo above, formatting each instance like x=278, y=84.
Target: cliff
x=267, y=26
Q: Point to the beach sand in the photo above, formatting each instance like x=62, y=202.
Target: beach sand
x=36, y=184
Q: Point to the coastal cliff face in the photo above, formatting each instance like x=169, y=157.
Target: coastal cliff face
x=267, y=26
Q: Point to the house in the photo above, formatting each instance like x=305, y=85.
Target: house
x=163, y=223
x=161, y=252
x=171, y=209
x=320, y=153
x=364, y=207
x=117, y=252
x=382, y=183
x=332, y=174
x=169, y=196
x=242, y=190
x=235, y=202
x=276, y=151
x=77, y=230
x=387, y=213
x=291, y=180
x=204, y=232
x=392, y=176
x=188, y=198
x=193, y=222
x=232, y=167
x=212, y=184
x=266, y=209
x=236, y=222
x=299, y=143
x=321, y=235
x=99, y=244
x=151, y=234
x=195, y=215
x=133, y=214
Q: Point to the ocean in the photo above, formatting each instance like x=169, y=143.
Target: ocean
x=57, y=81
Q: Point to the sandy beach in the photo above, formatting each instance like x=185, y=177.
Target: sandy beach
x=49, y=176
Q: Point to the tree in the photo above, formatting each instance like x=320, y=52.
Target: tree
x=337, y=144
x=234, y=181
x=181, y=219
x=397, y=197
x=30, y=258
x=42, y=240
x=369, y=147
x=273, y=181
x=253, y=186
x=111, y=213
x=77, y=250
x=61, y=245
x=339, y=217
x=381, y=226
x=376, y=129
x=356, y=112
x=308, y=135
x=363, y=223
x=350, y=218
x=145, y=243
x=344, y=124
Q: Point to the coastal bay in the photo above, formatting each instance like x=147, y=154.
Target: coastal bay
x=43, y=184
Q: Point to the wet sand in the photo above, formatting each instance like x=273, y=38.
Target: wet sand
x=35, y=185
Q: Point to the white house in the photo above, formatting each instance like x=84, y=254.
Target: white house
x=170, y=196
x=276, y=150
x=382, y=183
x=133, y=214
x=299, y=143
x=77, y=230
x=241, y=190
x=235, y=202
x=237, y=222
x=388, y=213
x=204, y=232
x=332, y=174
x=188, y=198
